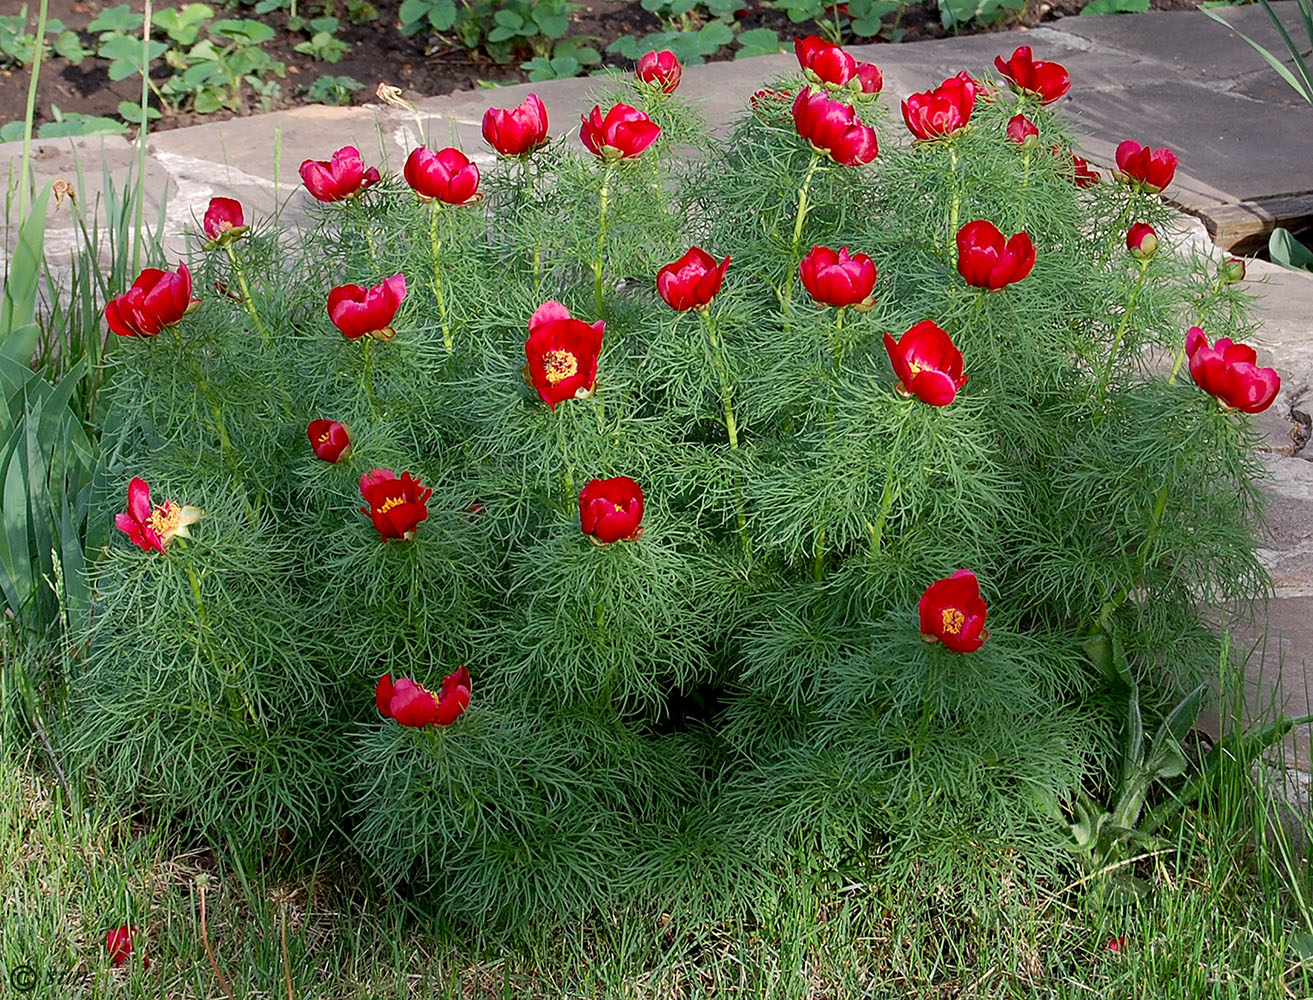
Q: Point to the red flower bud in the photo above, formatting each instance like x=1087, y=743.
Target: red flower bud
x=118, y=942
x=952, y=612
x=157, y=299
x=836, y=279
x=611, y=510
x=1148, y=169
x=824, y=62
x=1232, y=271
x=358, y=311
x=870, y=78
x=562, y=354
x=660, y=69
x=692, y=281
x=329, y=439
x=153, y=527
x=986, y=260
x=517, y=131
x=927, y=363
x=772, y=105
x=340, y=177
x=1048, y=81
x=622, y=135
x=832, y=128
x=1142, y=241
x=447, y=176
x=1230, y=372
x=939, y=113
x=1116, y=945
x=1022, y=131
x=396, y=506
x=412, y=705
x=1083, y=175
x=223, y=222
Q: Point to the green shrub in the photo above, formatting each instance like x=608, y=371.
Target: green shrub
x=678, y=718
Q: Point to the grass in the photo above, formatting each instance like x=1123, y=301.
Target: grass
x=1223, y=913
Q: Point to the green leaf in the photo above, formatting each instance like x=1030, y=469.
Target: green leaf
x=118, y=18
x=242, y=30
x=18, y=331
x=1116, y=7
x=68, y=45
x=757, y=42
x=131, y=111
x=328, y=24
x=1166, y=759
x=124, y=53
x=78, y=124
x=1288, y=251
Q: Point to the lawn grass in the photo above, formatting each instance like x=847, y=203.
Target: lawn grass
x=1223, y=914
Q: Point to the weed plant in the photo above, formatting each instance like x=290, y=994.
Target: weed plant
x=742, y=692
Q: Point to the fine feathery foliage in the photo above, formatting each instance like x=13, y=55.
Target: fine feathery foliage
x=674, y=718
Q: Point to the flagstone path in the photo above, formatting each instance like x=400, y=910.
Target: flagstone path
x=1180, y=80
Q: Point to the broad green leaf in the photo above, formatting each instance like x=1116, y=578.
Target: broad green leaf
x=1287, y=251
x=18, y=330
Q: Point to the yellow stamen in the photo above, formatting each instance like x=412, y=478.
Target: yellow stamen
x=953, y=621
x=560, y=365
x=390, y=503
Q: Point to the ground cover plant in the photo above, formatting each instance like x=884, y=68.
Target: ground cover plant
x=628, y=527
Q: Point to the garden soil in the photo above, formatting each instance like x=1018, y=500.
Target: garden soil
x=425, y=65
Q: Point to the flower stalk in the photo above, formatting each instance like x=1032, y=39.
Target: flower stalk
x=803, y=191
x=1121, y=329
x=602, y=221
x=247, y=301
x=436, y=246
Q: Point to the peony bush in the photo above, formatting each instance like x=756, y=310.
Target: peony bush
x=690, y=506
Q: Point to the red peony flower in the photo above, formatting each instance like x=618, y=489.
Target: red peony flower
x=823, y=62
x=832, y=127
x=447, y=176
x=1148, y=169
x=1048, y=81
x=836, y=279
x=396, y=506
x=118, y=942
x=1230, y=372
x=927, y=363
x=562, y=354
x=611, y=510
x=517, y=131
x=1116, y=945
x=340, y=177
x=358, y=311
x=157, y=299
x=223, y=222
x=986, y=260
x=1142, y=241
x=939, y=113
x=412, y=705
x=692, y=281
x=149, y=527
x=952, y=612
x=870, y=79
x=660, y=69
x=1022, y=131
x=622, y=135
x=329, y=439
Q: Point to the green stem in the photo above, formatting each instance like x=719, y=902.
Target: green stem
x=1121, y=329
x=235, y=691
x=890, y=492
x=803, y=192
x=838, y=339
x=1203, y=315
x=1025, y=184
x=602, y=220
x=31, y=108
x=818, y=560
x=436, y=245
x=571, y=495
x=246, y=293
x=369, y=380
x=537, y=267
x=141, y=137
x=955, y=205
x=722, y=373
